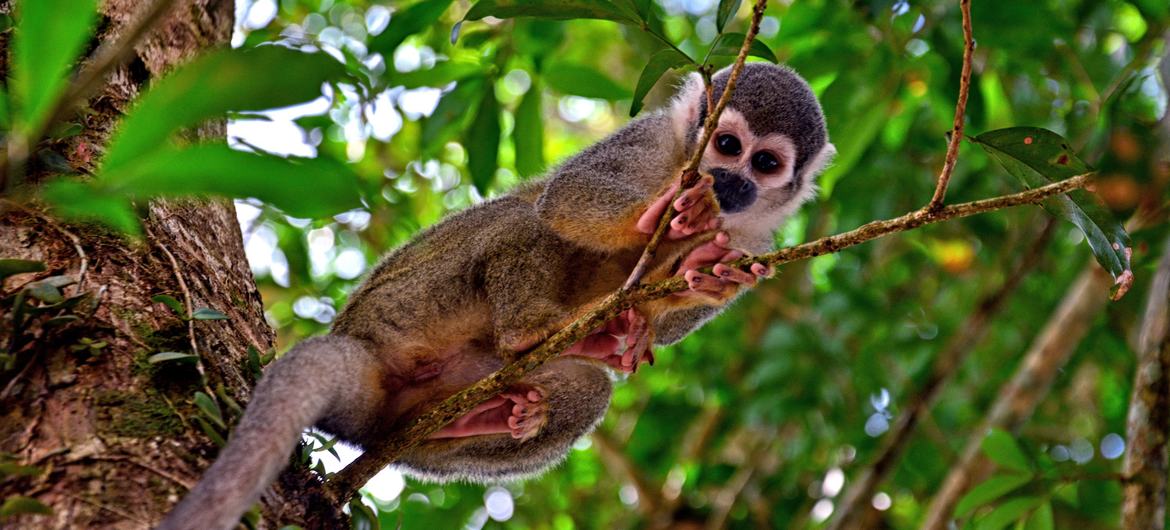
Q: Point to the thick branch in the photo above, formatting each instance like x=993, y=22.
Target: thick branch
x=952, y=156
x=348, y=480
x=689, y=174
x=1149, y=412
x=946, y=363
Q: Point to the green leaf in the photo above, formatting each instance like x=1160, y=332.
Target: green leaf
x=1038, y=157
x=727, y=9
x=210, y=409
x=1042, y=518
x=1002, y=448
x=361, y=516
x=483, y=142
x=206, y=313
x=239, y=80
x=10, y=267
x=452, y=115
x=48, y=39
x=730, y=43
x=48, y=290
x=76, y=201
x=988, y=491
x=210, y=431
x=171, y=356
x=406, y=22
x=9, y=469
x=441, y=75
x=302, y=187
x=172, y=303
x=19, y=505
x=528, y=132
x=581, y=80
x=1008, y=512
x=554, y=9
x=659, y=63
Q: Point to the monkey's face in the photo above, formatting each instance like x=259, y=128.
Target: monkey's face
x=750, y=171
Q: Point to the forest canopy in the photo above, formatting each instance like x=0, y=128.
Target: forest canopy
x=849, y=389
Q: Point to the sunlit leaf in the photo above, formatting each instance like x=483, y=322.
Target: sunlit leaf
x=554, y=9
x=581, y=80
x=228, y=80
x=171, y=356
x=48, y=39
x=1002, y=448
x=206, y=313
x=439, y=76
x=406, y=22
x=1041, y=519
x=21, y=505
x=1008, y=512
x=659, y=63
x=988, y=491
x=74, y=200
x=170, y=302
x=452, y=114
x=528, y=132
x=302, y=187
x=9, y=267
x=1038, y=157
x=483, y=142
x=730, y=43
x=727, y=9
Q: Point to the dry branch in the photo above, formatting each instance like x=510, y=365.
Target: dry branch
x=1149, y=412
x=689, y=175
x=346, y=482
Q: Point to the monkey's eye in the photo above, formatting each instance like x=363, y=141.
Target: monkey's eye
x=728, y=145
x=765, y=162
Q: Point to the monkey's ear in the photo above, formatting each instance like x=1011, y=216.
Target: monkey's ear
x=819, y=162
x=684, y=110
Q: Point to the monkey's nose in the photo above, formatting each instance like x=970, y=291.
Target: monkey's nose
x=734, y=192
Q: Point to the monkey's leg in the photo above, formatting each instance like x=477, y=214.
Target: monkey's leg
x=520, y=412
x=329, y=375
x=577, y=396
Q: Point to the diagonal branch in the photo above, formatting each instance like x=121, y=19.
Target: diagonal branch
x=690, y=172
x=346, y=482
x=956, y=138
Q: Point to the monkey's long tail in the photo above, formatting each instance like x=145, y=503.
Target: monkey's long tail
x=295, y=392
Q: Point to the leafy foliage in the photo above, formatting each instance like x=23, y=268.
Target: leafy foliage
x=794, y=388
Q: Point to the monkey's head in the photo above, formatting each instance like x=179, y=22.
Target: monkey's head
x=769, y=146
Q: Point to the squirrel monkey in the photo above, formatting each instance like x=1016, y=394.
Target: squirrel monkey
x=471, y=293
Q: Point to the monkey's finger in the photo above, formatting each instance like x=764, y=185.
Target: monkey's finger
x=733, y=274
x=695, y=195
x=705, y=283
x=649, y=220
x=763, y=271
x=700, y=215
x=703, y=255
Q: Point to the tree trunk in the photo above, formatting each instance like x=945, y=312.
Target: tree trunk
x=105, y=438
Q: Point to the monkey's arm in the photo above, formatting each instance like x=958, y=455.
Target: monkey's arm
x=596, y=198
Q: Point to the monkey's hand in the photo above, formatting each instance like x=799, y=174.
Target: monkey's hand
x=622, y=343
x=724, y=281
x=698, y=211
x=520, y=412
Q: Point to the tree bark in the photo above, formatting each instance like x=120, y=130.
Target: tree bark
x=108, y=440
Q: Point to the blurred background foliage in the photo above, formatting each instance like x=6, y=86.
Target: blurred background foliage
x=762, y=417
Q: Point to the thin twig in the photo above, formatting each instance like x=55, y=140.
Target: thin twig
x=952, y=156
x=946, y=363
x=89, y=79
x=689, y=175
x=346, y=482
x=187, y=302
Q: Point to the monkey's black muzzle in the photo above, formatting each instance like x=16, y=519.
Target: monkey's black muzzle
x=734, y=192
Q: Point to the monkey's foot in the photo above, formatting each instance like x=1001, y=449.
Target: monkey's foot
x=623, y=343
x=724, y=280
x=698, y=211
x=521, y=412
